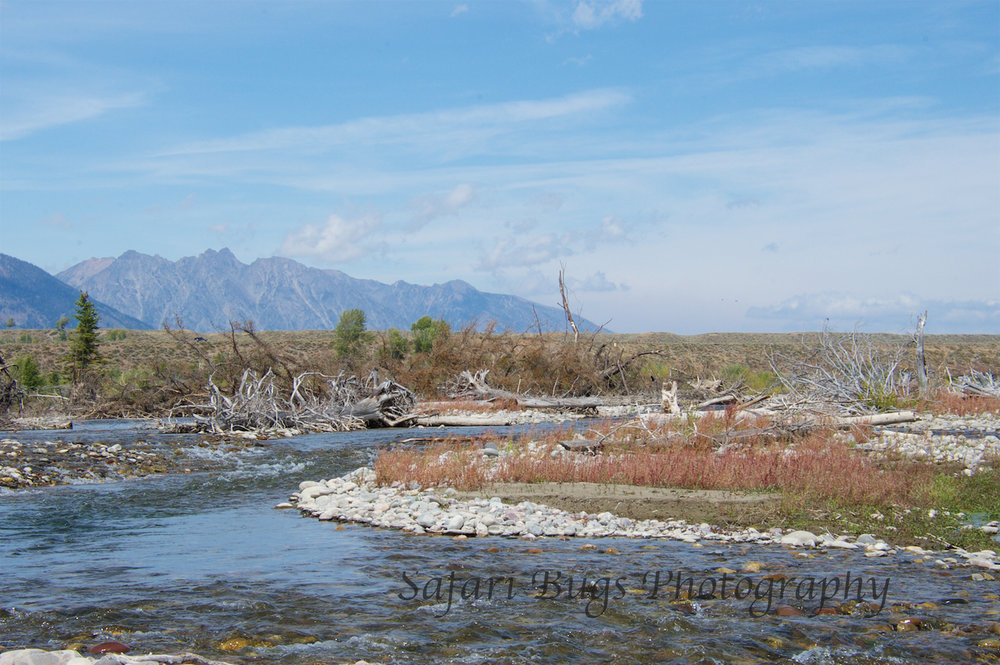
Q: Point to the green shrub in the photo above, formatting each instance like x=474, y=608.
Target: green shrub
x=425, y=331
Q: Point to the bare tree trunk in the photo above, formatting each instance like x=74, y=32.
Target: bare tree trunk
x=670, y=398
x=565, y=305
x=921, y=361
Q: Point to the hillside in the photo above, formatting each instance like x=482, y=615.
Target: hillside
x=33, y=298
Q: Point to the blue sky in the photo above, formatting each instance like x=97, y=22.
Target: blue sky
x=695, y=166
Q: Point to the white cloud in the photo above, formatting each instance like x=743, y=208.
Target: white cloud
x=590, y=14
x=429, y=207
x=597, y=281
x=459, y=10
x=336, y=240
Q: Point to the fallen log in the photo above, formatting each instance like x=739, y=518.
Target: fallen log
x=582, y=445
x=474, y=386
x=469, y=420
x=873, y=419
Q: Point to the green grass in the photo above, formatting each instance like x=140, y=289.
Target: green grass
x=953, y=497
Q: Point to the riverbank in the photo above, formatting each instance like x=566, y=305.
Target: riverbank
x=356, y=497
x=68, y=458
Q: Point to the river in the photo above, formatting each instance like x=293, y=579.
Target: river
x=203, y=562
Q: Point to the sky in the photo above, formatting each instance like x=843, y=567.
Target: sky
x=693, y=166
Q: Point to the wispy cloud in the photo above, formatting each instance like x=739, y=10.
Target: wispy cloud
x=26, y=114
x=58, y=220
x=522, y=251
x=591, y=14
x=578, y=61
x=514, y=252
x=337, y=239
x=826, y=57
x=459, y=10
x=596, y=282
x=430, y=207
x=414, y=128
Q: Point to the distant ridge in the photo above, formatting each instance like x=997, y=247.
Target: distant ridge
x=35, y=299
x=208, y=291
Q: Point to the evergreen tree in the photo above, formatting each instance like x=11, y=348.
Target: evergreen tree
x=83, y=351
x=30, y=376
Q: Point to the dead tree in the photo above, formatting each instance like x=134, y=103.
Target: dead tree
x=468, y=385
x=921, y=361
x=845, y=371
x=977, y=384
x=10, y=391
x=565, y=305
x=343, y=403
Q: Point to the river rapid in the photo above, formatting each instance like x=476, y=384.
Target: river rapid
x=203, y=562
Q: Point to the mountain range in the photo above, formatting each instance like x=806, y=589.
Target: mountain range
x=204, y=293
x=32, y=298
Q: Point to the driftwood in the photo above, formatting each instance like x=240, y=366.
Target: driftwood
x=669, y=398
x=795, y=427
x=979, y=384
x=469, y=385
x=470, y=420
x=343, y=403
x=582, y=445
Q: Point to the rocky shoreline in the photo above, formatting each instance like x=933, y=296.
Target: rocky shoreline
x=355, y=497
x=30, y=464
x=109, y=657
x=967, y=440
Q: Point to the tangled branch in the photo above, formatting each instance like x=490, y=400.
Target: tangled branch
x=339, y=404
x=847, y=371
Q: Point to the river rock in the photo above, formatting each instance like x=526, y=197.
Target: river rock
x=40, y=657
x=799, y=539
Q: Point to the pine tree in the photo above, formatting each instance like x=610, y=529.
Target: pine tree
x=84, y=352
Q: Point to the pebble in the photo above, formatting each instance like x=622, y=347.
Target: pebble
x=968, y=440
x=355, y=497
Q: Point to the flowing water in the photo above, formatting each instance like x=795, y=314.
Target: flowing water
x=202, y=562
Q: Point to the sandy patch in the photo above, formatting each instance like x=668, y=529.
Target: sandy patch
x=640, y=503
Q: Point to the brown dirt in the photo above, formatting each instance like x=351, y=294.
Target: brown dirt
x=639, y=503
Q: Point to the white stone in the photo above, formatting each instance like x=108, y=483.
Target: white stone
x=799, y=539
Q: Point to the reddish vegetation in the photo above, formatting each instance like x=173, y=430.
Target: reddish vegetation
x=819, y=465
x=961, y=405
